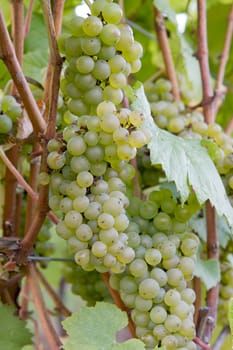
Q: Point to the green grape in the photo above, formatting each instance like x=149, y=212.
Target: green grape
x=109, y=236
x=85, y=64
x=189, y=246
x=73, y=219
x=117, y=80
x=159, y=275
x=77, y=107
x=172, y=297
x=112, y=206
x=84, y=179
x=170, y=342
x=188, y=295
x=181, y=310
x=158, y=314
x=138, y=268
x=5, y=124
x=153, y=256
x=80, y=203
x=107, y=52
x=162, y=222
x=117, y=64
x=76, y=146
x=105, y=221
x=73, y=46
x=76, y=26
x=95, y=154
x=92, y=26
x=112, y=13
x=82, y=257
x=110, y=34
x=109, y=123
x=113, y=95
x=99, y=249
x=66, y=204
x=105, y=107
x=90, y=46
x=142, y=304
x=137, y=118
x=93, y=96
x=148, y=288
x=84, y=82
x=133, y=52
x=93, y=211
x=55, y=160
x=101, y=70
x=175, y=276
x=126, y=37
x=84, y=233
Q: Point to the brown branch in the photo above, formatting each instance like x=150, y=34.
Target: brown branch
x=59, y=304
x=197, y=286
x=204, y=63
x=10, y=207
x=51, y=99
x=229, y=127
x=204, y=346
x=219, y=89
x=23, y=311
x=57, y=9
x=28, y=18
x=212, y=236
x=117, y=300
x=42, y=312
x=167, y=56
x=23, y=183
x=33, y=183
x=212, y=253
x=8, y=56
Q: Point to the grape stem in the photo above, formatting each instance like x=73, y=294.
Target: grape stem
x=8, y=55
x=203, y=345
x=22, y=182
x=45, y=322
x=229, y=127
x=11, y=204
x=117, y=300
x=202, y=54
x=167, y=56
x=57, y=9
x=59, y=304
x=220, y=90
x=28, y=18
x=212, y=236
x=198, y=291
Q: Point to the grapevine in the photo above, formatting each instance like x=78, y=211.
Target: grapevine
x=116, y=175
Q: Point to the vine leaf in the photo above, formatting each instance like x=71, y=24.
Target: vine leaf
x=185, y=162
x=208, y=271
x=13, y=332
x=95, y=328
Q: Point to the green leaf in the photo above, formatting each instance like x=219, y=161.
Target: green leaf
x=13, y=332
x=208, y=271
x=198, y=224
x=185, y=162
x=164, y=7
x=37, y=36
x=132, y=344
x=34, y=62
x=95, y=328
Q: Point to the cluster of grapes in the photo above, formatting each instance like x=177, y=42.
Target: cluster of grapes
x=87, y=284
x=154, y=284
x=88, y=193
x=10, y=111
x=90, y=162
x=101, y=53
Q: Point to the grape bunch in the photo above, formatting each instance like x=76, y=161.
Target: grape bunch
x=87, y=284
x=155, y=284
x=101, y=53
x=90, y=162
x=10, y=111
